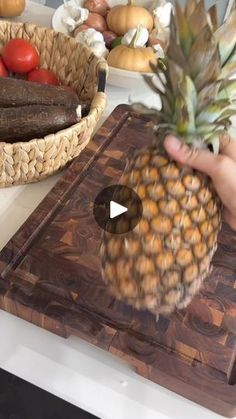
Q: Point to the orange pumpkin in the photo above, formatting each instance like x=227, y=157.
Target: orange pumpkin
x=11, y=8
x=121, y=18
x=132, y=59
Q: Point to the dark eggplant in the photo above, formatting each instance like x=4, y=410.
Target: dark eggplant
x=15, y=92
x=35, y=121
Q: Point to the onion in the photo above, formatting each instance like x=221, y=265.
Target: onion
x=109, y=37
x=97, y=6
x=97, y=22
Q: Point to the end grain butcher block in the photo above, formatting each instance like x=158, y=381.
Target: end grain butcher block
x=50, y=276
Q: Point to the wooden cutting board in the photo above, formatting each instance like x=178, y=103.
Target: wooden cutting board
x=50, y=276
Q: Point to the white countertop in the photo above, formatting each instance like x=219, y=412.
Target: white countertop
x=73, y=369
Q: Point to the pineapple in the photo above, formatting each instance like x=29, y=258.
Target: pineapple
x=161, y=264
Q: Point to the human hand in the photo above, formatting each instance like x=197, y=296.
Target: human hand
x=220, y=168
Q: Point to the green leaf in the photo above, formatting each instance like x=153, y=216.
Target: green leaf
x=152, y=112
x=176, y=75
x=160, y=86
x=212, y=13
x=227, y=71
x=153, y=86
x=175, y=54
x=225, y=124
x=232, y=57
x=190, y=94
x=212, y=112
x=226, y=37
x=198, y=19
x=205, y=129
x=190, y=7
x=184, y=121
x=184, y=32
x=202, y=52
x=186, y=104
x=173, y=29
x=227, y=91
x=167, y=105
x=228, y=112
x=208, y=94
x=209, y=73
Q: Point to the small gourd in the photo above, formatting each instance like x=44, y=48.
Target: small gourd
x=132, y=58
x=11, y=8
x=122, y=18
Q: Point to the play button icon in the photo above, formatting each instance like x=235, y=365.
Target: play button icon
x=117, y=209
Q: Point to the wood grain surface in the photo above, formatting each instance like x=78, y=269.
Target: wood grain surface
x=50, y=276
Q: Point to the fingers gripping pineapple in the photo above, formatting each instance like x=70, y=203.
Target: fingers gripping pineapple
x=161, y=264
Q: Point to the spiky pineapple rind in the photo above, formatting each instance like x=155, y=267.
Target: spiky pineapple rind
x=161, y=264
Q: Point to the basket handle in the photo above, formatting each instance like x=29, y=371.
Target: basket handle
x=102, y=77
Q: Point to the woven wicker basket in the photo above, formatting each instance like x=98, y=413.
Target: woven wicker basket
x=75, y=65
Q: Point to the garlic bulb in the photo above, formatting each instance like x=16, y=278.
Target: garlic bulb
x=99, y=49
x=89, y=36
x=72, y=7
x=94, y=40
x=162, y=14
x=74, y=15
x=141, y=39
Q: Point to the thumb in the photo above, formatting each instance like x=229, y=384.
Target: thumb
x=202, y=160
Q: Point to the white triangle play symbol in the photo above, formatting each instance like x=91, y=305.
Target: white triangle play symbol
x=116, y=209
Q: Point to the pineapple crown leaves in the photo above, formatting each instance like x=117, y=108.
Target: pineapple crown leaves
x=225, y=35
x=198, y=97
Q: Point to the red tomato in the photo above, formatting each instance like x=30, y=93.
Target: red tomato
x=20, y=56
x=3, y=70
x=43, y=76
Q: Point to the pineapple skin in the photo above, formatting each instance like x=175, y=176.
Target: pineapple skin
x=161, y=264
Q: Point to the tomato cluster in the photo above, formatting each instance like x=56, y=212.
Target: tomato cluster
x=21, y=57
